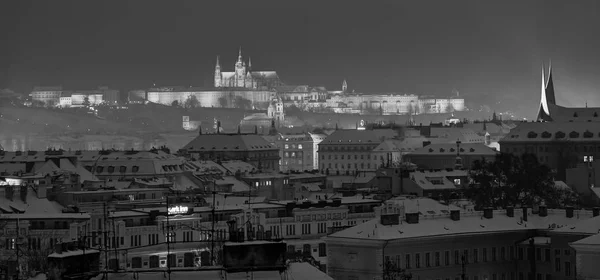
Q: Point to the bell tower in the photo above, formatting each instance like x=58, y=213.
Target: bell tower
x=240, y=70
x=218, y=76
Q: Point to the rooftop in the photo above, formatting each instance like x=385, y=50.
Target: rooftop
x=354, y=136
x=470, y=223
x=553, y=131
x=477, y=149
x=228, y=142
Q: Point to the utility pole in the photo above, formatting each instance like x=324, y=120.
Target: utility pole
x=105, y=233
x=168, y=241
x=212, y=234
x=115, y=243
x=17, y=250
x=463, y=274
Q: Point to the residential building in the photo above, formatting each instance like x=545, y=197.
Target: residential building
x=443, y=156
x=31, y=224
x=429, y=244
x=348, y=151
x=251, y=148
x=588, y=257
x=46, y=96
x=559, y=145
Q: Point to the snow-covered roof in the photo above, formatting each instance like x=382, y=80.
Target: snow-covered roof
x=73, y=253
x=469, y=223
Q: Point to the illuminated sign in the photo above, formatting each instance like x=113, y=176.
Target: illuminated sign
x=362, y=125
x=178, y=210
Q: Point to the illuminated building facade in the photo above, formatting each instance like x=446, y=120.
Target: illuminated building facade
x=57, y=97
x=244, y=77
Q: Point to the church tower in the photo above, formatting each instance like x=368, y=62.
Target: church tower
x=218, y=74
x=344, y=86
x=240, y=71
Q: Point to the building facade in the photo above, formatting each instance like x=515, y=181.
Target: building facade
x=244, y=77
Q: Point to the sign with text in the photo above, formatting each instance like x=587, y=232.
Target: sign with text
x=177, y=210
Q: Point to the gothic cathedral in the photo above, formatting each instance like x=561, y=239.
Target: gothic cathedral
x=244, y=77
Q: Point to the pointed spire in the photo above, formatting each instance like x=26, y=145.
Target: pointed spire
x=543, y=111
x=218, y=65
x=249, y=63
x=550, y=97
x=240, y=55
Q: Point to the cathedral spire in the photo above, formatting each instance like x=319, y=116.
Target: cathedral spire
x=344, y=86
x=218, y=65
x=240, y=55
x=249, y=63
x=543, y=111
x=550, y=97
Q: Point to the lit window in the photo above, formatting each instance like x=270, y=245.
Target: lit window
x=585, y=158
x=287, y=146
x=256, y=184
x=457, y=181
x=300, y=146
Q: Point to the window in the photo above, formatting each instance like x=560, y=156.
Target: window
x=475, y=255
x=407, y=261
x=306, y=249
x=547, y=255
x=111, y=169
x=521, y=254
x=557, y=265
x=417, y=260
x=567, y=268
x=484, y=255
x=502, y=253
x=493, y=254
x=456, y=257
x=447, y=258
x=437, y=259
x=466, y=255
x=322, y=249
x=427, y=260
x=457, y=181
x=538, y=254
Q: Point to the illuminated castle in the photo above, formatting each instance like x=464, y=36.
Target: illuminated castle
x=244, y=77
x=548, y=111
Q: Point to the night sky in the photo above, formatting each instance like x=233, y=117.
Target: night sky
x=488, y=50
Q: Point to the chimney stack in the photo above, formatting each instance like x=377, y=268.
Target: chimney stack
x=510, y=211
x=41, y=191
x=525, y=213
x=412, y=218
x=488, y=212
x=23, y=193
x=543, y=211
x=9, y=192
x=569, y=211
x=596, y=211
x=455, y=215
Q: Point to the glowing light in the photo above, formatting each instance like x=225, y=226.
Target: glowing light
x=178, y=210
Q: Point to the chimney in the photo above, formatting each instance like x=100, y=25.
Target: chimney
x=23, y=193
x=58, y=248
x=569, y=211
x=426, y=143
x=390, y=219
x=596, y=211
x=455, y=215
x=412, y=218
x=232, y=230
x=543, y=210
x=9, y=192
x=488, y=212
x=525, y=214
x=41, y=191
x=510, y=211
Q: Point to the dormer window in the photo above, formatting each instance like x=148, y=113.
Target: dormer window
x=532, y=134
x=111, y=169
x=99, y=169
x=588, y=134
x=442, y=150
x=123, y=169
x=574, y=134
x=471, y=150
x=546, y=134
x=135, y=169
x=430, y=150
x=560, y=135
x=575, y=115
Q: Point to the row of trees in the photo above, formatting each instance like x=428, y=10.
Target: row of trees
x=515, y=181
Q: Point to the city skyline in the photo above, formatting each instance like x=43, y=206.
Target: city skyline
x=487, y=51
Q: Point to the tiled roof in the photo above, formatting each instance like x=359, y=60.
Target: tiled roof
x=553, y=131
x=234, y=165
x=33, y=206
x=469, y=223
x=577, y=114
x=450, y=149
x=593, y=240
x=354, y=136
x=465, y=135
x=435, y=180
x=228, y=142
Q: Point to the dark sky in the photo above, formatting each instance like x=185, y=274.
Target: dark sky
x=485, y=49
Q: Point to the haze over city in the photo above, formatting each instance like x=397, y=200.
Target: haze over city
x=488, y=51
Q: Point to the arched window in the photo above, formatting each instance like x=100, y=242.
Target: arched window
x=300, y=146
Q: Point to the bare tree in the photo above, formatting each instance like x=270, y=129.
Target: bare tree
x=191, y=102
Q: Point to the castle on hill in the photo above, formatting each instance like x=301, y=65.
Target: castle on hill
x=244, y=77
